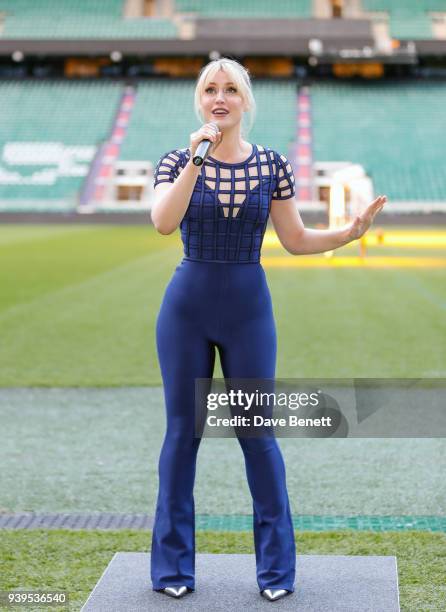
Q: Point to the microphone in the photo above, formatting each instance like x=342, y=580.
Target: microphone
x=202, y=151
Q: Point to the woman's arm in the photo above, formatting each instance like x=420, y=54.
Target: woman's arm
x=172, y=199
x=300, y=240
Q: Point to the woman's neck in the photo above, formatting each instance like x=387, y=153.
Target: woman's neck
x=231, y=148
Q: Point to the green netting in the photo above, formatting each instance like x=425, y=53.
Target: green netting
x=313, y=522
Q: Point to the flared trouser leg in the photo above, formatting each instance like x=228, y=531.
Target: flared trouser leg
x=182, y=359
x=252, y=355
x=228, y=307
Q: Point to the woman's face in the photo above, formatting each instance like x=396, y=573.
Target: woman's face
x=221, y=93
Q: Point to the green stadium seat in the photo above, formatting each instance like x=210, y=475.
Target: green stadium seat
x=78, y=19
x=394, y=129
x=48, y=136
x=163, y=117
x=409, y=19
x=246, y=9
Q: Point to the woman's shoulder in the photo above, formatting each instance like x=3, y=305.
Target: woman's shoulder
x=177, y=155
x=273, y=152
x=266, y=153
x=170, y=164
x=184, y=153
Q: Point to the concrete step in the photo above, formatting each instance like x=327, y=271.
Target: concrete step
x=324, y=583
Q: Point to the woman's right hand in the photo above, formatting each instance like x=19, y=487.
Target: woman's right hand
x=208, y=131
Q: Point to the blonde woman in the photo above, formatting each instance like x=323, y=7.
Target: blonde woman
x=218, y=298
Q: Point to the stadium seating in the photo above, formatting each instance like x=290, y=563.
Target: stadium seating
x=48, y=136
x=247, y=8
x=49, y=132
x=51, y=19
x=80, y=19
x=395, y=130
x=163, y=117
x=409, y=19
x=413, y=6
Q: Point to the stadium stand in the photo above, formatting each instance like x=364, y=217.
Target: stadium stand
x=408, y=19
x=52, y=19
x=405, y=125
x=105, y=19
x=395, y=6
x=163, y=117
x=248, y=8
x=49, y=133
x=46, y=155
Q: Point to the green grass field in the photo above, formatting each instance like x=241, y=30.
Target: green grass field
x=78, y=306
x=74, y=561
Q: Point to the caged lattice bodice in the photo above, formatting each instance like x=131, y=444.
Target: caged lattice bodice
x=230, y=204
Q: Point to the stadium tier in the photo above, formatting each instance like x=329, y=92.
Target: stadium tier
x=49, y=19
x=408, y=19
x=413, y=6
x=246, y=8
x=395, y=130
x=407, y=26
x=106, y=19
x=163, y=117
x=49, y=133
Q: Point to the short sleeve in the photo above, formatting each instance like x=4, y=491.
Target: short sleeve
x=285, y=187
x=167, y=168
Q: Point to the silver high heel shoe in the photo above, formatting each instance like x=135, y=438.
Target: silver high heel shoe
x=175, y=591
x=274, y=594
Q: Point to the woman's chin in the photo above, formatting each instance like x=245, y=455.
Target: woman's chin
x=220, y=120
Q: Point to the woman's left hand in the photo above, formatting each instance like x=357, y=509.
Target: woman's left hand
x=363, y=221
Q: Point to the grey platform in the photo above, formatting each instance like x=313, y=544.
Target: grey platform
x=328, y=583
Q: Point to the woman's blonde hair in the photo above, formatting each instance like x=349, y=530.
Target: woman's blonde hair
x=240, y=76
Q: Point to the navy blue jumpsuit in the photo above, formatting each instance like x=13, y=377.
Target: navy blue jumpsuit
x=218, y=297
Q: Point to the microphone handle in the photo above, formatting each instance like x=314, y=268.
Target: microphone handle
x=202, y=152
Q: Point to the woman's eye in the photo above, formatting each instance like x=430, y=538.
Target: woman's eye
x=211, y=89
